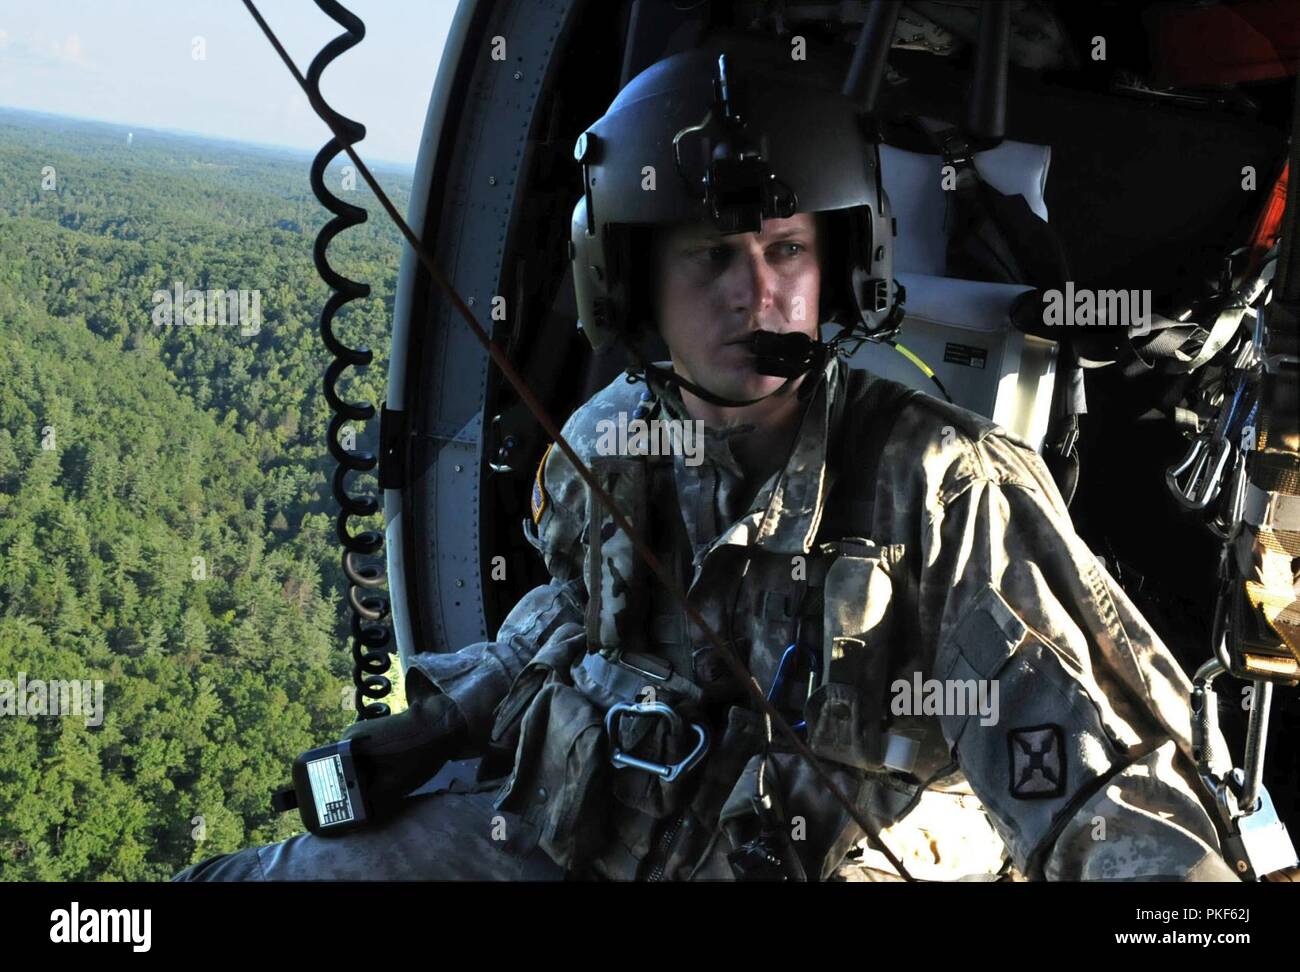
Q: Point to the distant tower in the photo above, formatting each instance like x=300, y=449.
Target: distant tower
x=129, y=136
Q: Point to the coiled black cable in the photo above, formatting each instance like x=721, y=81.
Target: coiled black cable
x=368, y=605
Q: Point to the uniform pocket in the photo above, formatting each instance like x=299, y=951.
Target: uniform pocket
x=561, y=646
x=561, y=778
x=842, y=728
x=656, y=740
x=992, y=642
x=846, y=714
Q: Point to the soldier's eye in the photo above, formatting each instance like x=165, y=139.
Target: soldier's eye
x=790, y=249
x=712, y=259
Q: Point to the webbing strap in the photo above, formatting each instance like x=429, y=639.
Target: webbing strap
x=882, y=403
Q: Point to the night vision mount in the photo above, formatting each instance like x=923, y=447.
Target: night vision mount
x=738, y=186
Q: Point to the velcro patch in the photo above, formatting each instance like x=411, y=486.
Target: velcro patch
x=537, y=502
x=1037, y=762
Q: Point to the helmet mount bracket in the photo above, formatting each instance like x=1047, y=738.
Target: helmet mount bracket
x=739, y=187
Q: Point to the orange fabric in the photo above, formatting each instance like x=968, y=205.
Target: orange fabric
x=1269, y=224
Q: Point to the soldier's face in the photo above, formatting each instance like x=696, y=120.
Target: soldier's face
x=712, y=291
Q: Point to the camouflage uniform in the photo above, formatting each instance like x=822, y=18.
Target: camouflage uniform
x=449, y=834
x=930, y=542
x=905, y=540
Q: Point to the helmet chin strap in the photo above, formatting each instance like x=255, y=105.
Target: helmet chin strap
x=778, y=355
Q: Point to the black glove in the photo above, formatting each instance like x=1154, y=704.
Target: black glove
x=363, y=778
x=397, y=753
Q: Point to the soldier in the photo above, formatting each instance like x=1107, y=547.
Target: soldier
x=899, y=575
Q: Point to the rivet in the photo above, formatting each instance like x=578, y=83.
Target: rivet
x=459, y=467
x=518, y=75
x=460, y=583
x=492, y=180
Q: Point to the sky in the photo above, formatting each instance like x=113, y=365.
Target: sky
x=138, y=63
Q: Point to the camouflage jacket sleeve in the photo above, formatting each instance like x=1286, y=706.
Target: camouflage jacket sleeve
x=1079, y=769
x=478, y=676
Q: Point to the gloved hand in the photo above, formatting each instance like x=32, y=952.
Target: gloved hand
x=396, y=754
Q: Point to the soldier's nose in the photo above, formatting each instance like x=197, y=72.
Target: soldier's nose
x=755, y=290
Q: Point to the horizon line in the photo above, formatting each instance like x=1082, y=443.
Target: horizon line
x=406, y=167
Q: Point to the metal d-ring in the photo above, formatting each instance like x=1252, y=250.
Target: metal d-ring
x=668, y=771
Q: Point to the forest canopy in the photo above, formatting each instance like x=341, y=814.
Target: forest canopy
x=166, y=524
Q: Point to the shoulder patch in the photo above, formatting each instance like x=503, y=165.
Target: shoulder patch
x=537, y=502
x=1037, y=762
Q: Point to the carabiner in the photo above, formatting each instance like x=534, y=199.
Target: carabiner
x=1228, y=522
x=668, y=771
x=1201, y=489
x=789, y=658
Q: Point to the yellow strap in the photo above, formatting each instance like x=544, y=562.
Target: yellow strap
x=1281, y=609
